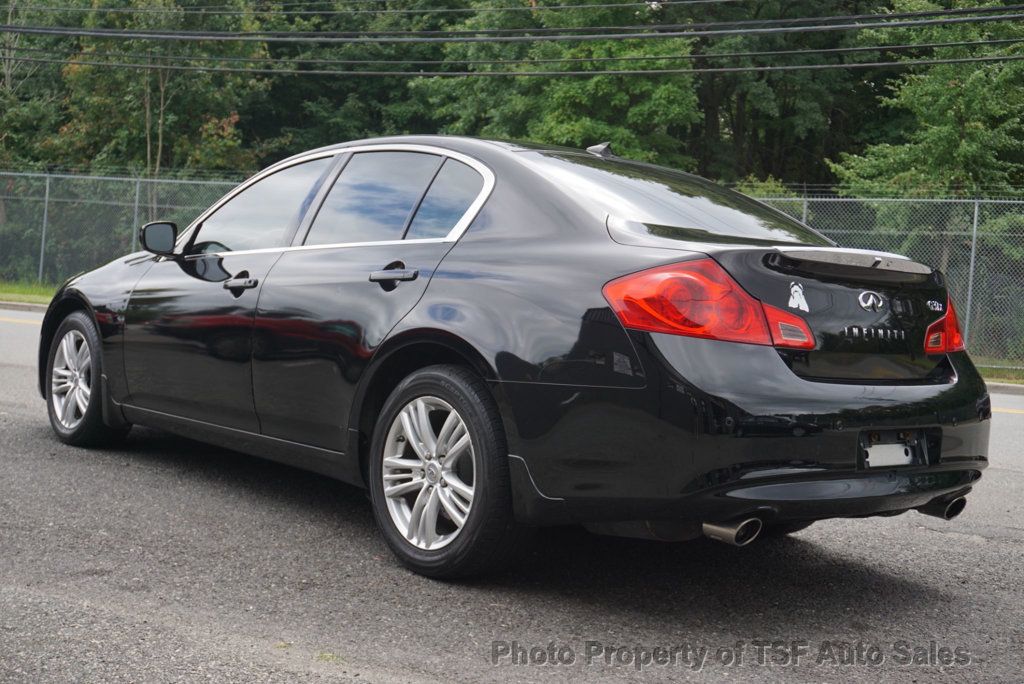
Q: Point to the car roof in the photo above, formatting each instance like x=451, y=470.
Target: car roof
x=456, y=143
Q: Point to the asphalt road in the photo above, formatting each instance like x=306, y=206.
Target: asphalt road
x=168, y=560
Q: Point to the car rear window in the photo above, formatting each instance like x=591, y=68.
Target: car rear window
x=679, y=204
x=454, y=189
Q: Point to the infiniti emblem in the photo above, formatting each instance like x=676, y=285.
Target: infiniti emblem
x=871, y=301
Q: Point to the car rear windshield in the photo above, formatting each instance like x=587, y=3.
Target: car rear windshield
x=682, y=206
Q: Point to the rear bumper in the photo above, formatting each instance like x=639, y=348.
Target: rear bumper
x=724, y=430
x=778, y=498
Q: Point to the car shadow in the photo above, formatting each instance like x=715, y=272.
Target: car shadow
x=776, y=586
x=767, y=587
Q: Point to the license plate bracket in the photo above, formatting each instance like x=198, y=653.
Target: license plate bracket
x=893, y=448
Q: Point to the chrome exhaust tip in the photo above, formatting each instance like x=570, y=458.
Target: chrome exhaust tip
x=947, y=510
x=736, y=533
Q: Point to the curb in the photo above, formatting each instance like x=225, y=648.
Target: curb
x=1005, y=388
x=23, y=306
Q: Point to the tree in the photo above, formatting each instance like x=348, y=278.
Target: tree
x=310, y=111
x=935, y=130
x=29, y=96
x=962, y=137
x=965, y=132
x=646, y=118
x=152, y=118
x=777, y=123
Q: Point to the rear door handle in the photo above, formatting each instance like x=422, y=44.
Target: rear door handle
x=393, y=274
x=241, y=283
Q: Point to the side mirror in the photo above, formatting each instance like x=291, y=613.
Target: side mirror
x=159, y=237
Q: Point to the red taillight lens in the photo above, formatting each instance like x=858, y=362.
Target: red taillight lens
x=695, y=298
x=699, y=299
x=944, y=335
x=788, y=329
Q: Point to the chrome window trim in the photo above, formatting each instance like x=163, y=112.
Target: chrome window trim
x=306, y=248
x=453, y=235
x=186, y=234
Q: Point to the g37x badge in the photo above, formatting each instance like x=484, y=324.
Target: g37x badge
x=796, y=297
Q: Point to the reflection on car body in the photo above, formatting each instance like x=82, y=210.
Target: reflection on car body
x=493, y=336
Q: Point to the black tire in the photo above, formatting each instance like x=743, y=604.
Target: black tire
x=490, y=537
x=784, y=529
x=90, y=431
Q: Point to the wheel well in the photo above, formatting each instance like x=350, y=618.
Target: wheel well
x=53, y=319
x=392, y=370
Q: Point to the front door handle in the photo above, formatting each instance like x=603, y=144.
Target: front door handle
x=393, y=274
x=241, y=283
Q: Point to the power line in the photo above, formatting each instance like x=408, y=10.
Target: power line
x=758, y=24
x=229, y=11
x=370, y=37
x=505, y=73
x=50, y=52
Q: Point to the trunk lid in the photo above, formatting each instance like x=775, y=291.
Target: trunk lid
x=868, y=311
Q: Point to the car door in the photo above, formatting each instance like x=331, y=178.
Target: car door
x=188, y=332
x=363, y=263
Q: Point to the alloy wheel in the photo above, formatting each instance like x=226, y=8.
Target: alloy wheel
x=428, y=472
x=71, y=379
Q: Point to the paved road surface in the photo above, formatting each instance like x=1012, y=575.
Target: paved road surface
x=167, y=560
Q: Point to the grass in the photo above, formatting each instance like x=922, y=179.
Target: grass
x=26, y=291
x=1003, y=375
x=997, y=369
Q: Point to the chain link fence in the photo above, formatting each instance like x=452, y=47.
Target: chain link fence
x=55, y=225
x=978, y=244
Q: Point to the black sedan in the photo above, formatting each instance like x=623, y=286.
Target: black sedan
x=494, y=336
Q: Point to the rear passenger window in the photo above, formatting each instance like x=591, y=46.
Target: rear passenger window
x=373, y=198
x=449, y=196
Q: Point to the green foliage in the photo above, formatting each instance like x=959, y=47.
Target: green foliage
x=952, y=130
x=142, y=119
x=21, y=121
x=219, y=146
x=767, y=187
x=921, y=131
x=643, y=118
x=959, y=133
x=154, y=118
x=965, y=133
x=26, y=291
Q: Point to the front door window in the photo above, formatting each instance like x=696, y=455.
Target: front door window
x=264, y=214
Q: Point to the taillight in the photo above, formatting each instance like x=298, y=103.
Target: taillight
x=944, y=334
x=788, y=329
x=699, y=299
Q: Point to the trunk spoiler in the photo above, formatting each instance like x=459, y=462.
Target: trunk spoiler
x=855, y=258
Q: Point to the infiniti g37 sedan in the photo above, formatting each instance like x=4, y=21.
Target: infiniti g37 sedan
x=492, y=337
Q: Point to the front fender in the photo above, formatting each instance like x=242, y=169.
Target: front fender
x=66, y=300
x=103, y=293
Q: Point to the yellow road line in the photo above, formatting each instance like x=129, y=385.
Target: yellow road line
x=1002, y=410
x=20, y=320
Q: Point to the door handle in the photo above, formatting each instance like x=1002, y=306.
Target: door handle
x=241, y=283
x=393, y=274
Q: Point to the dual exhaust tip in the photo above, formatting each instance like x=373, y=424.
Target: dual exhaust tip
x=745, y=530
